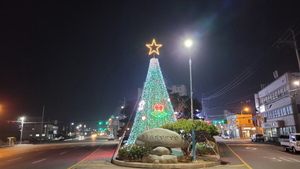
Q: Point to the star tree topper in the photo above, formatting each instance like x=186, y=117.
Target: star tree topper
x=152, y=46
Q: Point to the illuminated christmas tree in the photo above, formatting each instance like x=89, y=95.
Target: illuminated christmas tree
x=155, y=108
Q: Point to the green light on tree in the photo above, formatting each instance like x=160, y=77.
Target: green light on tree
x=155, y=108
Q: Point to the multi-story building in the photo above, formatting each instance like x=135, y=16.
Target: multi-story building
x=34, y=129
x=180, y=89
x=240, y=125
x=114, y=124
x=278, y=106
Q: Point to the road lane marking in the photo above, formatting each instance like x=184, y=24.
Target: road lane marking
x=237, y=165
x=289, y=159
x=258, y=145
x=13, y=159
x=251, y=148
x=39, y=161
x=239, y=157
x=63, y=153
x=85, y=157
x=82, y=164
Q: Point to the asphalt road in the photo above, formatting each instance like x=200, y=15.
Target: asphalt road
x=244, y=154
x=61, y=155
x=89, y=154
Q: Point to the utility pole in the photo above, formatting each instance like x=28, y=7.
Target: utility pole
x=296, y=48
x=42, y=123
x=294, y=44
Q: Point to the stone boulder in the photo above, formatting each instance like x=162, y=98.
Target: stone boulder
x=161, y=137
x=161, y=151
x=149, y=158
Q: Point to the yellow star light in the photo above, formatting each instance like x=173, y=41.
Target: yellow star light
x=154, y=45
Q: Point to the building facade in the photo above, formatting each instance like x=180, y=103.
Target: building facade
x=278, y=106
x=180, y=89
x=240, y=125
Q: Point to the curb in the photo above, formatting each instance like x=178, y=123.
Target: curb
x=147, y=165
x=173, y=165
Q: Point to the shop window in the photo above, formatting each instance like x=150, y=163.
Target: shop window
x=274, y=132
x=281, y=131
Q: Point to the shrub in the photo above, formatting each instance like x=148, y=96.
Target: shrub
x=203, y=132
x=133, y=152
x=206, y=148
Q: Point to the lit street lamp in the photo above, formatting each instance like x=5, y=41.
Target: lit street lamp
x=188, y=43
x=245, y=109
x=22, y=122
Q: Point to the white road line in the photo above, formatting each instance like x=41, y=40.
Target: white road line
x=289, y=159
x=62, y=153
x=39, y=161
x=13, y=159
x=272, y=158
x=251, y=148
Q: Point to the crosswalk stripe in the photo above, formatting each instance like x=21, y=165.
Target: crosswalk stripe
x=289, y=159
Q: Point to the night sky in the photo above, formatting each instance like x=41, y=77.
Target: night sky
x=82, y=58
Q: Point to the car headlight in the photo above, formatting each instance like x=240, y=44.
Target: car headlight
x=298, y=143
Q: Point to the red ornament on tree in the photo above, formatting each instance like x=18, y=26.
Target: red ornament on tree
x=159, y=107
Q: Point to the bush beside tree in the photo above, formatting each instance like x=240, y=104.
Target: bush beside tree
x=203, y=132
x=132, y=152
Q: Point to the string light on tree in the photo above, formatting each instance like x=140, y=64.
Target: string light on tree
x=154, y=47
x=155, y=108
x=141, y=105
x=159, y=110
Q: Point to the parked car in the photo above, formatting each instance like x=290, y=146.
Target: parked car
x=257, y=137
x=292, y=144
x=111, y=137
x=225, y=136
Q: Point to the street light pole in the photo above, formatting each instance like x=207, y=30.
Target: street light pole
x=22, y=123
x=188, y=44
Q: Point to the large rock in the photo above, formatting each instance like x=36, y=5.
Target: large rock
x=149, y=158
x=161, y=151
x=160, y=137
